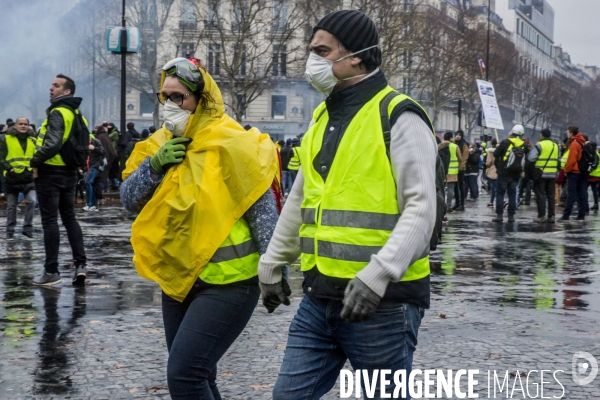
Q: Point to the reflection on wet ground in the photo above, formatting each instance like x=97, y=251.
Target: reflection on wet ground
x=540, y=266
x=549, y=270
x=36, y=323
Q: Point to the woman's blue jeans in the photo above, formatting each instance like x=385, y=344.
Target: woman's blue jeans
x=320, y=341
x=200, y=330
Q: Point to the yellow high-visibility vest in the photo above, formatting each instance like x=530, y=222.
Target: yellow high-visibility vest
x=350, y=216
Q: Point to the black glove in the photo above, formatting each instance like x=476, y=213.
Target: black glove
x=360, y=302
x=275, y=294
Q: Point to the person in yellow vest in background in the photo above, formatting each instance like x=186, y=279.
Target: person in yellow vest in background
x=360, y=217
x=202, y=188
x=594, y=180
x=55, y=182
x=546, y=158
x=294, y=164
x=562, y=193
x=16, y=149
x=454, y=156
x=509, y=169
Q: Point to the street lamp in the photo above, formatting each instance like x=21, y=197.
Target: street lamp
x=123, y=68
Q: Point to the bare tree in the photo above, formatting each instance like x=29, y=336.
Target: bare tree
x=251, y=45
x=143, y=69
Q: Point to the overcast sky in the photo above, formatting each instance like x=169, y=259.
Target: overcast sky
x=577, y=29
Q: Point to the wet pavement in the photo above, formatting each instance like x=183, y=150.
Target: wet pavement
x=505, y=297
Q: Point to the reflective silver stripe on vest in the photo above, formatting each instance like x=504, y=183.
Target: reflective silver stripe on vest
x=347, y=252
x=307, y=245
x=229, y=253
x=308, y=215
x=359, y=219
x=18, y=159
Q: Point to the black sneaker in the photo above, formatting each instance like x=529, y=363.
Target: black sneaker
x=27, y=234
x=10, y=236
x=47, y=279
x=79, y=275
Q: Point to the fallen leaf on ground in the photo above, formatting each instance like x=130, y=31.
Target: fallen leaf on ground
x=260, y=387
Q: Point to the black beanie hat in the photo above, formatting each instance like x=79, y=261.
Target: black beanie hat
x=356, y=31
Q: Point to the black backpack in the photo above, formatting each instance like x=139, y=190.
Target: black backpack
x=75, y=151
x=589, y=159
x=440, y=172
x=445, y=157
x=516, y=160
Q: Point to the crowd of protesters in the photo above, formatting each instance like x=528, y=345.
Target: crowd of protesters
x=559, y=173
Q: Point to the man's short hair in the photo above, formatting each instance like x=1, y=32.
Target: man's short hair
x=130, y=125
x=69, y=84
x=26, y=119
x=573, y=129
x=546, y=133
x=9, y=120
x=448, y=135
x=585, y=136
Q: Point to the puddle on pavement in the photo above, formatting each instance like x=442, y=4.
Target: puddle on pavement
x=539, y=266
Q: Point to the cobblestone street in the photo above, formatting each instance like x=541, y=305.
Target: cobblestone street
x=505, y=297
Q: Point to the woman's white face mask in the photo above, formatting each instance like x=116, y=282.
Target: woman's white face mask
x=176, y=119
x=319, y=72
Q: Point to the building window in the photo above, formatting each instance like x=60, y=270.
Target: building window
x=279, y=60
x=188, y=15
x=278, y=107
x=280, y=15
x=518, y=26
x=214, y=13
x=188, y=49
x=240, y=60
x=214, y=59
x=146, y=105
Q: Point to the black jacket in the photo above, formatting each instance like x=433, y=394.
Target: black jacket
x=473, y=162
x=342, y=106
x=96, y=155
x=286, y=154
x=499, y=159
x=127, y=137
x=13, y=178
x=55, y=130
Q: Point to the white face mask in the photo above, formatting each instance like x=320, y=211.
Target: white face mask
x=176, y=119
x=319, y=72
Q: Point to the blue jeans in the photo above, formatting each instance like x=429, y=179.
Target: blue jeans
x=200, y=330
x=577, y=193
x=493, y=183
x=472, y=185
x=320, y=341
x=288, y=181
x=506, y=185
x=90, y=179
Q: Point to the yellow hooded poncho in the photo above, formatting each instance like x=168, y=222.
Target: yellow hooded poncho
x=192, y=211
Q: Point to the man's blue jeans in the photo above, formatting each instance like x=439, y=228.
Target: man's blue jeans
x=506, y=185
x=288, y=181
x=577, y=187
x=320, y=342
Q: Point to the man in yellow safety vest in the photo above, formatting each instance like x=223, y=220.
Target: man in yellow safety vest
x=56, y=181
x=16, y=150
x=360, y=217
x=546, y=158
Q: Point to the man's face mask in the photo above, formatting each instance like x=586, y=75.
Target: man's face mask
x=319, y=71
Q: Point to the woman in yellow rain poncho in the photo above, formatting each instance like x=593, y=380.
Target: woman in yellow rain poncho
x=201, y=186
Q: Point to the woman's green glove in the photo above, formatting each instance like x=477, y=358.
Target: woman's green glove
x=171, y=153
